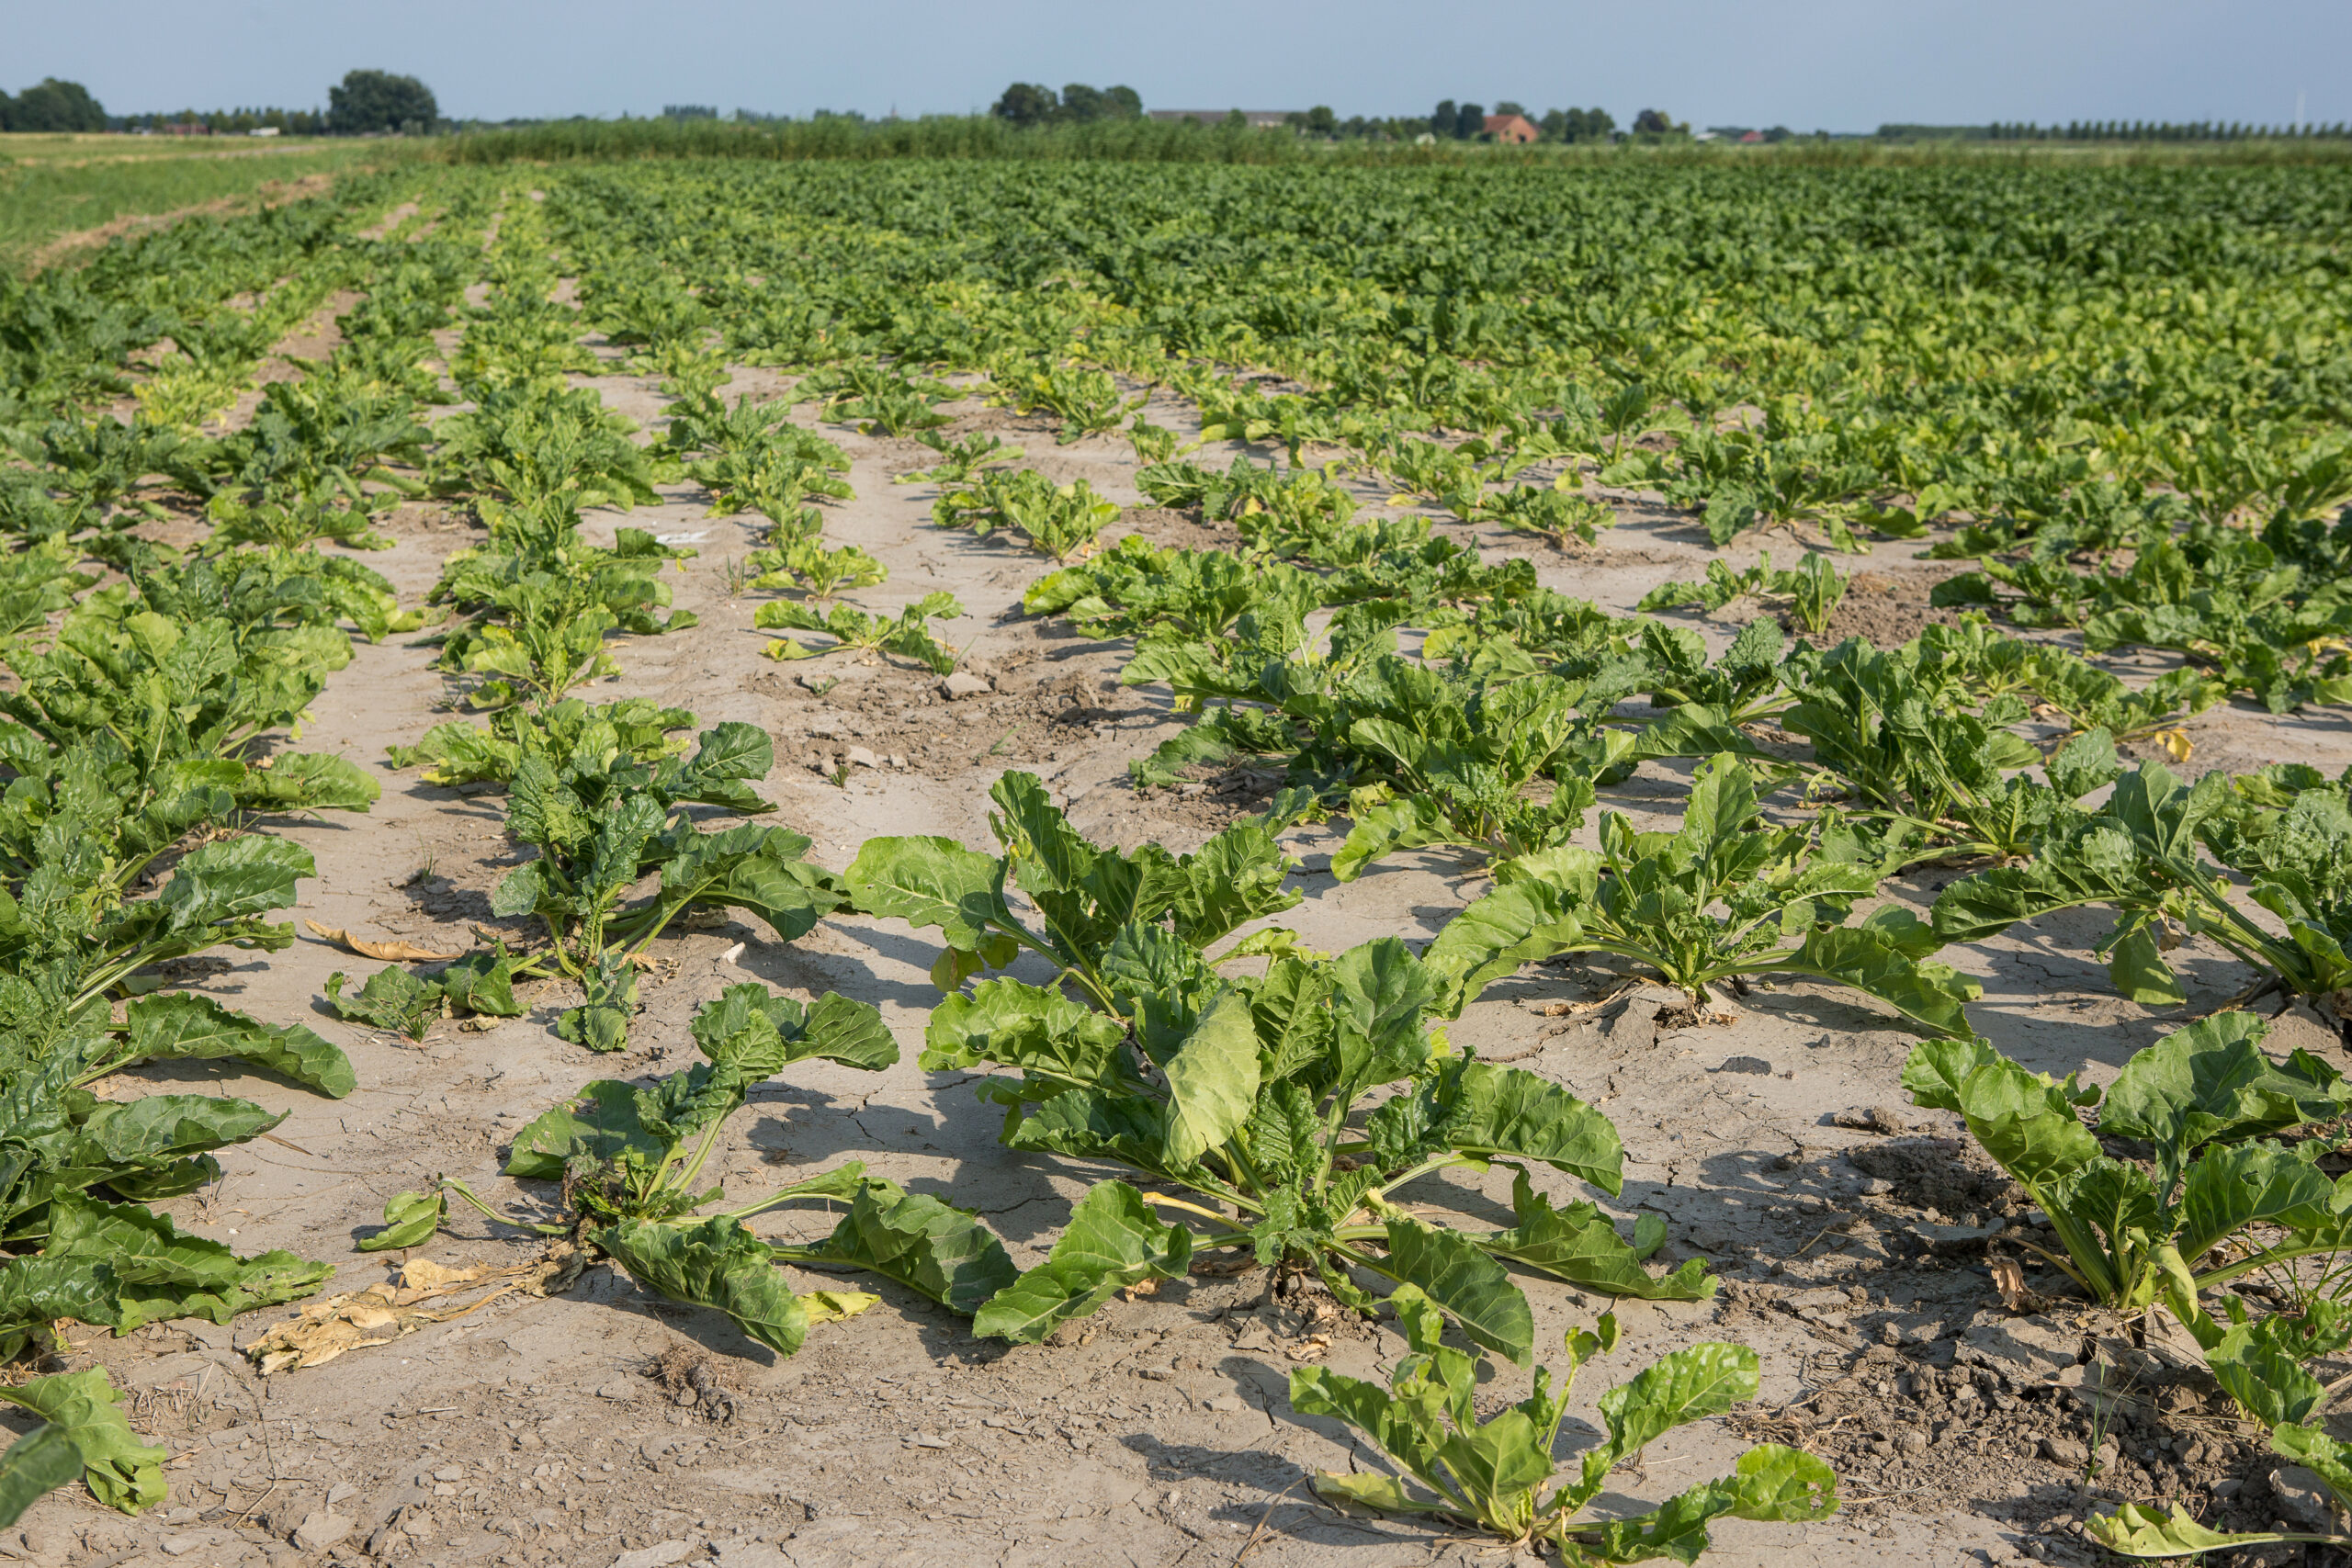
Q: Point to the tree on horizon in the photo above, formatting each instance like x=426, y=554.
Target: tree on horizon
x=370, y=103
x=51, y=105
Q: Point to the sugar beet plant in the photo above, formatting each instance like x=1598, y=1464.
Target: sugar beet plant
x=635, y=728
x=601, y=821
x=2143, y=854
x=1499, y=1474
x=1812, y=591
x=2267, y=1365
x=882, y=400
x=753, y=458
x=1060, y=521
x=1285, y=1110
x=631, y=1164
x=2217, y=1195
x=1721, y=899
x=908, y=634
x=537, y=605
x=1087, y=401
x=2223, y=1199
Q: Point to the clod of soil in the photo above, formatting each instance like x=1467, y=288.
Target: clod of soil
x=1884, y=609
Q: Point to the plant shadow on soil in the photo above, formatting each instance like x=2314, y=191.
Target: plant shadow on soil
x=789, y=967
x=1277, y=1483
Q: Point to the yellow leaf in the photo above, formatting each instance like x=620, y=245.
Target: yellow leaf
x=1382, y=1494
x=825, y=1306
x=389, y=951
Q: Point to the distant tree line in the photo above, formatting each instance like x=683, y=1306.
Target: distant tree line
x=1027, y=104
x=2156, y=131
x=2112, y=131
x=365, y=103
x=51, y=105
x=1579, y=125
x=754, y=117
x=229, y=122
x=377, y=103
x=1451, y=122
x=1321, y=123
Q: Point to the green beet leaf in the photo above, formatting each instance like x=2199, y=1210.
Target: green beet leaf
x=715, y=1263
x=1211, y=1081
x=392, y=999
x=83, y=1407
x=1113, y=1240
x=41, y=1461
x=944, y=1252
x=1465, y=1283
x=36, y=1292
x=930, y=882
x=409, y=1220
x=159, y=1273
x=599, y=1124
x=1509, y=1111
x=2145, y=1531
x=1577, y=1244
x=182, y=1026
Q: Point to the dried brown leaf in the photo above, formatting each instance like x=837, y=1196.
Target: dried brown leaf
x=363, y=1320
x=2010, y=1280
x=389, y=951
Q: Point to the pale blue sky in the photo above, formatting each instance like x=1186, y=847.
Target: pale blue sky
x=1842, y=64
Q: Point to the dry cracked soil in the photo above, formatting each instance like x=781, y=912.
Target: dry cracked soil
x=607, y=1425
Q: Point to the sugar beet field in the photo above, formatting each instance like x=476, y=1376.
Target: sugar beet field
x=813, y=864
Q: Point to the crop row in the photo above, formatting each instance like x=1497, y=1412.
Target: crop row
x=146, y=727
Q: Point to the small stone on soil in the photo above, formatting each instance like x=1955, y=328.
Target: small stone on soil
x=2302, y=1497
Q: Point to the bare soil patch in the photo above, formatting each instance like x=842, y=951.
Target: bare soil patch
x=1039, y=702
x=1887, y=609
